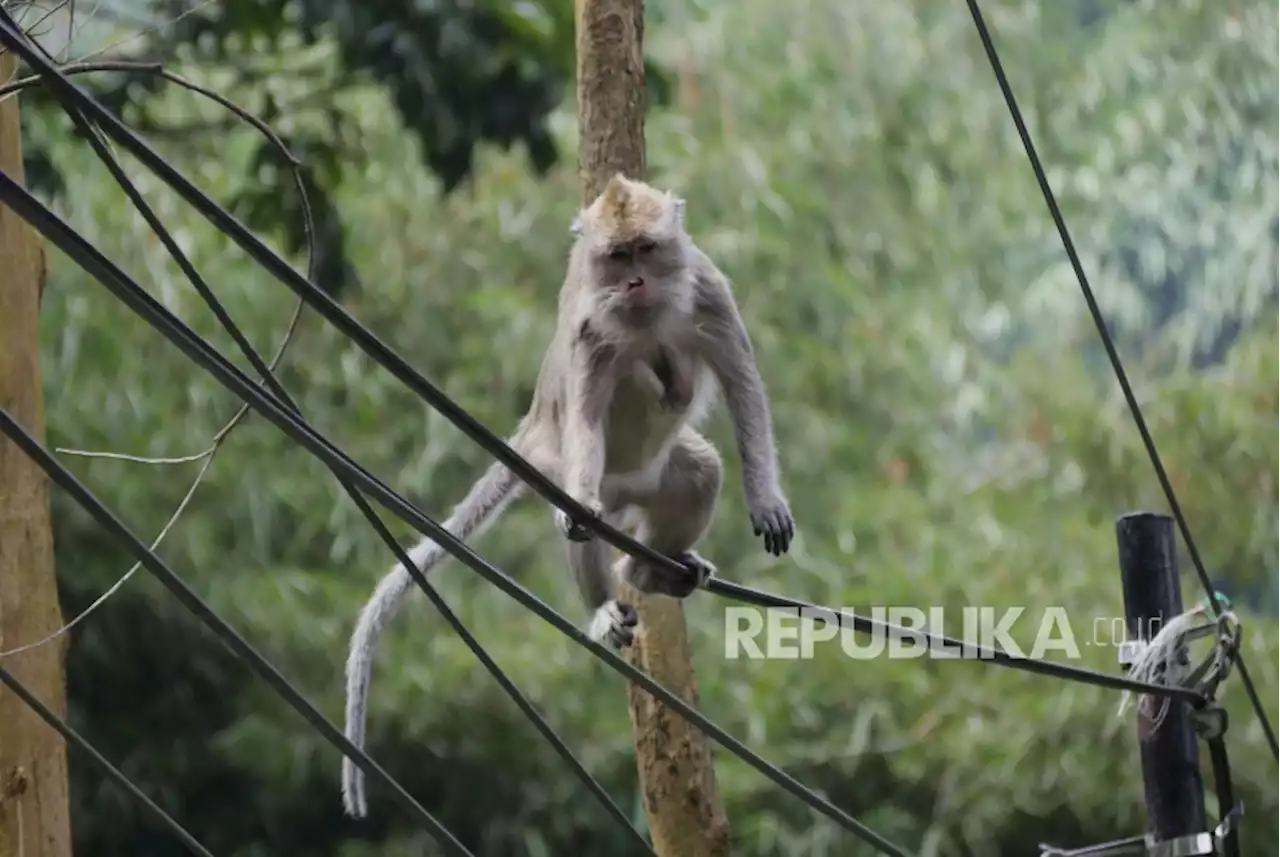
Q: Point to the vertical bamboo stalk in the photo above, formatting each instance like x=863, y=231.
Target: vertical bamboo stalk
x=673, y=757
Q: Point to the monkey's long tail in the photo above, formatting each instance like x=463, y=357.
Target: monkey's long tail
x=484, y=503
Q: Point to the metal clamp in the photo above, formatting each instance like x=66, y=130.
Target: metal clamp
x=1133, y=846
x=1227, y=824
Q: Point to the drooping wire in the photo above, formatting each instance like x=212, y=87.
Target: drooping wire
x=30, y=209
x=1147, y=441
x=73, y=737
x=368, y=342
x=264, y=371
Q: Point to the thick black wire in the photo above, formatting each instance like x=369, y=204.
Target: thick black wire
x=64, y=729
x=1170, y=495
x=487, y=440
x=30, y=209
x=259, y=365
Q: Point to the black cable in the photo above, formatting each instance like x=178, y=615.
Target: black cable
x=1170, y=495
x=388, y=359
x=64, y=729
x=136, y=298
x=264, y=371
x=942, y=642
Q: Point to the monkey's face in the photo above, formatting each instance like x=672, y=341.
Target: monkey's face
x=641, y=278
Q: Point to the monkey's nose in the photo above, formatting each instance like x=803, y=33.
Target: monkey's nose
x=635, y=282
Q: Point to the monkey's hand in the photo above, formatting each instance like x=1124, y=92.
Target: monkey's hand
x=575, y=531
x=679, y=393
x=771, y=518
x=614, y=623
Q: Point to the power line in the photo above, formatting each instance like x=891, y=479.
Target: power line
x=264, y=371
x=136, y=298
x=64, y=729
x=1147, y=441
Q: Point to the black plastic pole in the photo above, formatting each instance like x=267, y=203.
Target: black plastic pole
x=1171, y=778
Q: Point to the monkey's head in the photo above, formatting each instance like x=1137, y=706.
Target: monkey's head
x=636, y=249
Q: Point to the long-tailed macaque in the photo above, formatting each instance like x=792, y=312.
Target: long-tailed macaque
x=647, y=330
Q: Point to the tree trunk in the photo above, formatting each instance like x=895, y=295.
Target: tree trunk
x=34, y=816
x=674, y=757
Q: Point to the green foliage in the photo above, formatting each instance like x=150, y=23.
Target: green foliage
x=951, y=435
x=459, y=75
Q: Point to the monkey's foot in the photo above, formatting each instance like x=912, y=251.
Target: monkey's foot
x=573, y=530
x=614, y=623
x=655, y=580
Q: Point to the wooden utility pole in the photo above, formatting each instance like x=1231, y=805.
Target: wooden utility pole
x=34, y=816
x=1171, y=778
x=673, y=757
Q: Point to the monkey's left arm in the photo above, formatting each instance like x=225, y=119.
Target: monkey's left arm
x=727, y=348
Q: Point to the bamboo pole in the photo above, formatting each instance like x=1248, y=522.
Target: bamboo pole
x=34, y=813
x=673, y=757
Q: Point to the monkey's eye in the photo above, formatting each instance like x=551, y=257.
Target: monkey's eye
x=646, y=246
x=617, y=254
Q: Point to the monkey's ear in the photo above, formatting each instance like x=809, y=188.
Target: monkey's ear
x=575, y=228
x=677, y=205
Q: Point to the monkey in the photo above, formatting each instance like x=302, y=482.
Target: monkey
x=647, y=337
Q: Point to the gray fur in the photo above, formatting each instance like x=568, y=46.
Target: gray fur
x=647, y=332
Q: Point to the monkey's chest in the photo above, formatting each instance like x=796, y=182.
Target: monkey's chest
x=636, y=430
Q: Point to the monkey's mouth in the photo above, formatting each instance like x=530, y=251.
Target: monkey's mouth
x=640, y=294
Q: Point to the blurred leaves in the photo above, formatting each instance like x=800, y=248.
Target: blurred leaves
x=459, y=74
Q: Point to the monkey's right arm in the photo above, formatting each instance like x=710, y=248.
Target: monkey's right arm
x=727, y=348
x=588, y=388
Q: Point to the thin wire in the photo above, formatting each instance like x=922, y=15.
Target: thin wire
x=64, y=729
x=368, y=342
x=104, y=597
x=264, y=371
x=30, y=209
x=1170, y=495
